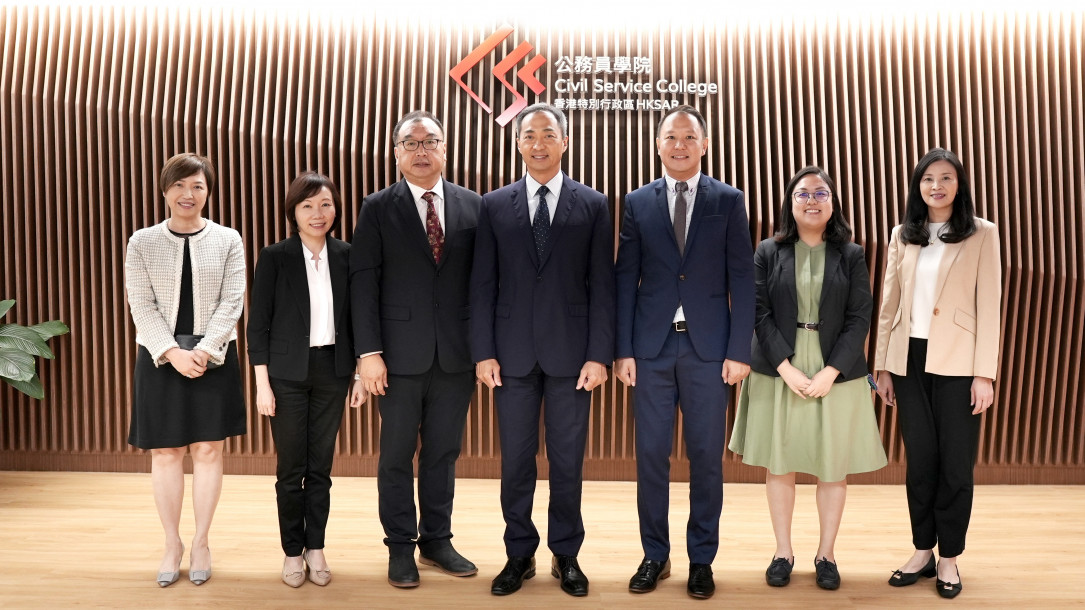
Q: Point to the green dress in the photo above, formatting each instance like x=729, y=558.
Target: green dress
x=828, y=437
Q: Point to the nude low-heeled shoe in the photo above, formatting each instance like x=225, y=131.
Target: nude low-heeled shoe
x=166, y=579
x=198, y=577
x=318, y=577
x=294, y=579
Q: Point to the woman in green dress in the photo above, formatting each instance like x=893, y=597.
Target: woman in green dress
x=806, y=406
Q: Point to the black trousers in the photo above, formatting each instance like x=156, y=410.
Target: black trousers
x=941, y=437
x=306, y=422
x=566, y=412
x=431, y=407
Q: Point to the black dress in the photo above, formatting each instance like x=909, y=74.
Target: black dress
x=171, y=410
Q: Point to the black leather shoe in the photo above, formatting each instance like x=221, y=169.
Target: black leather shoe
x=648, y=574
x=402, y=572
x=700, y=585
x=573, y=580
x=447, y=560
x=779, y=572
x=949, y=590
x=513, y=575
x=828, y=576
x=903, y=579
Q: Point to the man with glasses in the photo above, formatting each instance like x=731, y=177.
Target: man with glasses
x=542, y=297
x=410, y=261
x=685, y=295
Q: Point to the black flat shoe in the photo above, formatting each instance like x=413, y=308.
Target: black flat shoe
x=648, y=575
x=513, y=575
x=700, y=584
x=402, y=571
x=949, y=590
x=447, y=560
x=779, y=572
x=573, y=580
x=903, y=579
x=827, y=575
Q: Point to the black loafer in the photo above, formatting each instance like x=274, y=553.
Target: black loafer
x=447, y=560
x=779, y=572
x=949, y=590
x=700, y=585
x=903, y=579
x=573, y=580
x=827, y=574
x=513, y=575
x=402, y=572
x=649, y=574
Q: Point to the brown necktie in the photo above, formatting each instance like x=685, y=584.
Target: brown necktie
x=680, y=216
x=434, y=234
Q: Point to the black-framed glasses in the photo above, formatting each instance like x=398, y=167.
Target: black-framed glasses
x=819, y=196
x=412, y=145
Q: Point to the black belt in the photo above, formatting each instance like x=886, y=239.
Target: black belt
x=809, y=325
x=324, y=347
x=680, y=326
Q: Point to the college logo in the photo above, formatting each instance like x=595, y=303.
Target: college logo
x=526, y=73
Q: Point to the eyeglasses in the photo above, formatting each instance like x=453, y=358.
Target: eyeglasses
x=412, y=145
x=819, y=196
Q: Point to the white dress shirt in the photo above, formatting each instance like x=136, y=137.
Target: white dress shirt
x=321, y=314
x=438, y=191
x=926, y=276
x=691, y=195
x=554, y=184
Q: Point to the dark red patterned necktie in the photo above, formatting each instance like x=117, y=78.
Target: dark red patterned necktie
x=434, y=233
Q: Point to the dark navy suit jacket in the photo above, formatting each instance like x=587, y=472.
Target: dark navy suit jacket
x=557, y=311
x=713, y=281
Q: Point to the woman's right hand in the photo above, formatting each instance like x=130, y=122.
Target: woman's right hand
x=265, y=400
x=794, y=378
x=185, y=362
x=885, y=388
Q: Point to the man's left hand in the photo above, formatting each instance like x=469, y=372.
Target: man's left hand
x=734, y=371
x=591, y=376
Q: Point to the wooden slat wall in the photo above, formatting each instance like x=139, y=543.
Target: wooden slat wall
x=93, y=100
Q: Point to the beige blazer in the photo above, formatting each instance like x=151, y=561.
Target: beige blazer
x=966, y=322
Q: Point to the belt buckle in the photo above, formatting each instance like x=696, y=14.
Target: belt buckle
x=680, y=326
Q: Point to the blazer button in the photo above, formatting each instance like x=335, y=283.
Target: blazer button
x=935, y=311
x=538, y=278
x=682, y=277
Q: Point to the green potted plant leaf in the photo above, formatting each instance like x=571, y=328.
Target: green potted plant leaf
x=19, y=345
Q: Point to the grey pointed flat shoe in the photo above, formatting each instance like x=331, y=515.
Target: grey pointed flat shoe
x=198, y=577
x=166, y=579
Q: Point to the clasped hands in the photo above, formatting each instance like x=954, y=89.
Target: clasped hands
x=190, y=363
x=804, y=386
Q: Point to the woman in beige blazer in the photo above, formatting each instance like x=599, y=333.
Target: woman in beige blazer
x=938, y=340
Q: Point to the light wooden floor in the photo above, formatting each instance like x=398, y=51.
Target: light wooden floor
x=93, y=540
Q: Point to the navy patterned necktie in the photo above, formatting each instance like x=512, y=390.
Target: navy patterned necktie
x=434, y=234
x=541, y=224
x=680, y=216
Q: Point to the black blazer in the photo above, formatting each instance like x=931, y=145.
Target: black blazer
x=404, y=304
x=845, y=308
x=278, y=328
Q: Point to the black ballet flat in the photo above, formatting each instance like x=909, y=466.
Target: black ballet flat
x=903, y=579
x=949, y=590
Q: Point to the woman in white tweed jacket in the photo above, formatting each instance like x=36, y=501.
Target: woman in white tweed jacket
x=185, y=280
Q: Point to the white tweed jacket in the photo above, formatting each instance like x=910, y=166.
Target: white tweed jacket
x=152, y=279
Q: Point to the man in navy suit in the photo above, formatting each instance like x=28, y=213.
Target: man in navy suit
x=409, y=265
x=685, y=321
x=542, y=300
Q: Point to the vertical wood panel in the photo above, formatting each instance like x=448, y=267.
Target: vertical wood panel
x=94, y=99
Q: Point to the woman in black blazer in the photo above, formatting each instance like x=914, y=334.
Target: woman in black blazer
x=806, y=406
x=299, y=340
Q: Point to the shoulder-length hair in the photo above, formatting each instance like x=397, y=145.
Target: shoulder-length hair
x=837, y=230
x=305, y=186
x=962, y=222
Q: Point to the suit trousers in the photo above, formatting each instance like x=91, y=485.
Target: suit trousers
x=941, y=437
x=432, y=408
x=679, y=379
x=306, y=422
x=565, y=412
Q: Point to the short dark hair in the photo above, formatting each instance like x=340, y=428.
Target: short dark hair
x=558, y=115
x=181, y=166
x=837, y=230
x=305, y=186
x=412, y=116
x=962, y=222
x=687, y=109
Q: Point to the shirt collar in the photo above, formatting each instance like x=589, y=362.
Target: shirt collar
x=691, y=183
x=309, y=254
x=554, y=184
x=438, y=189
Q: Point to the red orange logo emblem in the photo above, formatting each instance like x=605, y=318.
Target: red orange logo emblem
x=526, y=73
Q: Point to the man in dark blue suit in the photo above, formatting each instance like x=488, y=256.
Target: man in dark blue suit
x=542, y=302
x=685, y=294
x=409, y=265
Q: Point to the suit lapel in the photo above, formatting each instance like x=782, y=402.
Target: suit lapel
x=664, y=213
x=948, y=256
x=407, y=216
x=453, y=218
x=522, y=216
x=337, y=269
x=296, y=277
x=700, y=202
x=907, y=275
x=832, y=267
x=786, y=273
x=566, y=202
